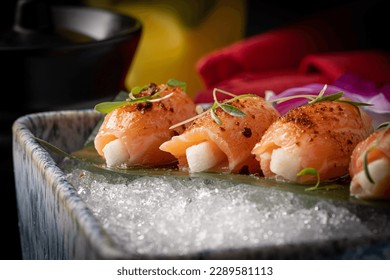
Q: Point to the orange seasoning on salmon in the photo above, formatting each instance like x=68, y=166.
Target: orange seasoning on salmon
x=221, y=140
x=132, y=132
x=370, y=166
x=320, y=136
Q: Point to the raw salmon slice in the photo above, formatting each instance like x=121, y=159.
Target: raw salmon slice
x=320, y=135
x=208, y=146
x=375, y=184
x=132, y=134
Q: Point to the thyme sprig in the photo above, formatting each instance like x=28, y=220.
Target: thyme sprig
x=320, y=97
x=225, y=106
x=107, y=107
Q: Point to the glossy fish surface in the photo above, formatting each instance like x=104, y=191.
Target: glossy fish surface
x=132, y=134
x=374, y=183
x=320, y=135
x=208, y=146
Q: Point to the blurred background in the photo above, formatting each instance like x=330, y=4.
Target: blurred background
x=176, y=35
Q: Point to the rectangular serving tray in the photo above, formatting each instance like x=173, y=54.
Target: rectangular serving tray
x=55, y=223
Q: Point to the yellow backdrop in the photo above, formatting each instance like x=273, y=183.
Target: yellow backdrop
x=176, y=33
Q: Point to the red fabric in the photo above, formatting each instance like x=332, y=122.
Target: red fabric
x=317, y=49
x=323, y=68
x=373, y=65
x=279, y=49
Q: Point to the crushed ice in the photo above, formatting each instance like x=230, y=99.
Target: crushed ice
x=166, y=215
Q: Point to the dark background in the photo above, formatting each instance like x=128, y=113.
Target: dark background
x=366, y=17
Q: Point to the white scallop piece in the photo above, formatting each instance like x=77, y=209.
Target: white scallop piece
x=115, y=153
x=203, y=156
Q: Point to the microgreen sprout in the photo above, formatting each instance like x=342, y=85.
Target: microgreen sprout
x=230, y=109
x=320, y=97
x=383, y=125
x=177, y=83
x=225, y=106
x=107, y=107
x=310, y=171
x=365, y=164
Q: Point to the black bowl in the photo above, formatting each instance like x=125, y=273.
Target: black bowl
x=87, y=59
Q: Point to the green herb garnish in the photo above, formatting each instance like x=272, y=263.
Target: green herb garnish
x=177, y=83
x=225, y=106
x=330, y=97
x=365, y=164
x=107, y=107
x=310, y=171
x=314, y=172
x=320, y=97
x=136, y=90
x=214, y=115
x=230, y=109
x=383, y=125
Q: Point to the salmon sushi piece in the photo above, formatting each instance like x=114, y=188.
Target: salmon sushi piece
x=211, y=147
x=133, y=133
x=321, y=135
x=374, y=182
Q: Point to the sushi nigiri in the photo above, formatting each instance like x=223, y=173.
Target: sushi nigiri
x=132, y=134
x=370, y=167
x=320, y=136
x=222, y=142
